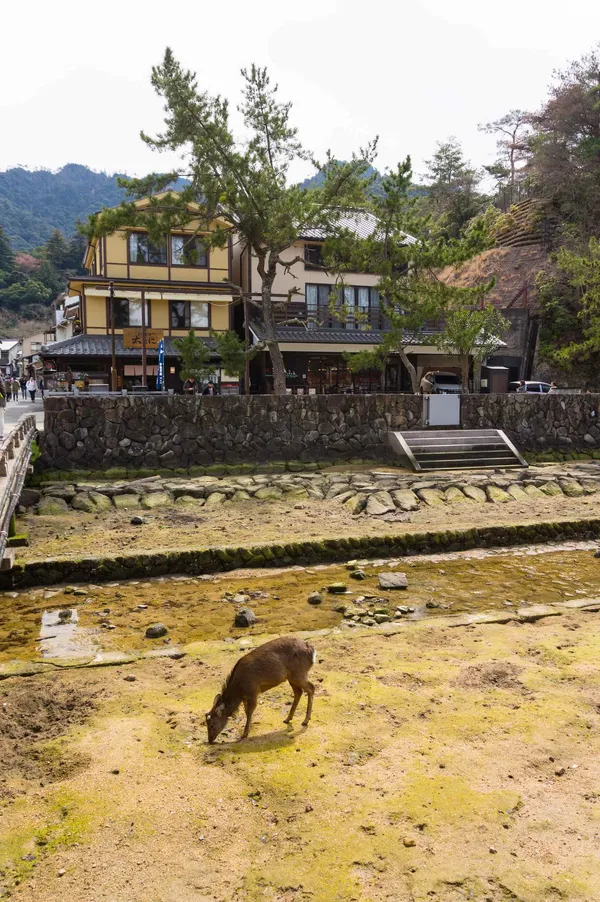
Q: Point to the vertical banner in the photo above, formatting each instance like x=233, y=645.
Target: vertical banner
x=160, y=378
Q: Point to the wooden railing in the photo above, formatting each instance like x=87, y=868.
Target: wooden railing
x=15, y=453
x=373, y=320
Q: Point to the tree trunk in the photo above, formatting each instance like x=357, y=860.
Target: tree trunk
x=271, y=338
x=464, y=367
x=411, y=371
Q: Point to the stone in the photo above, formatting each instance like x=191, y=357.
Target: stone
x=156, y=499
x=560, y=771
x=240, y=598
x=409, y=842
x=126, y=502
x=590, y=486
x=100, y=501
x=380, y=503
x=550, y=488
x=315, y=598
x=534, y=492
x=269, y=493
x=393, y=581
x=189, y=501
x=337, y=588
x=215, y=499
x=156, y=631
x=358, y=574
x=517, y=492
x=241, y=495
x=83, y=502
x=475, y=493
x=571, y=488
x=29, y=497
x=52, y=507
x=137, y=521
x=405, y=499
x=496, y=495
x=356, y=504
x=453, y=495
x=244, y=617
x=130, y=678
x=431, y=497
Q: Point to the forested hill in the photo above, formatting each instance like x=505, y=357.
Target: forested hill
x=35, y=203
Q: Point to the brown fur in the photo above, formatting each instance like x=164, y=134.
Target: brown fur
x=262, y=669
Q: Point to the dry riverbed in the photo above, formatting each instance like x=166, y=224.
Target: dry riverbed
x=441, y=764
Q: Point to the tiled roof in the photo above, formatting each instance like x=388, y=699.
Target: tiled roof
x=362, y=223
x=316, y=336
x=101, y=346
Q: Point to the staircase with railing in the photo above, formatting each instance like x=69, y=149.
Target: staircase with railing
x=15, y=454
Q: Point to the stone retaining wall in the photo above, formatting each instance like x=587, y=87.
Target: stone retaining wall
x=175, y=432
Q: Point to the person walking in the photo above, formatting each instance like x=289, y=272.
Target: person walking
x=190, y=386
x=2, y=406
x=31, y=387
x=553, y=388
x=23, y=384
x=42, y=386
x=521, y=386
x=15, y=389
x=426, y=384
x=210, y=389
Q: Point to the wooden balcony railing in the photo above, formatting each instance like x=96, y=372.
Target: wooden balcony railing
x=373, y=320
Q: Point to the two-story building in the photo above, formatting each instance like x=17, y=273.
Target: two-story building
x=314, y=339
x=170, y=287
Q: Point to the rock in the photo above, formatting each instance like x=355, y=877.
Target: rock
x=130, y=678
x=340, y=609
x=101, y=502
x=356, y=504
x=380, y=503
x=269, y=493
x=337, y=588
x=125, y=502
x=533, y=491
x=517, y=492
x=29, y=497
x=453, y=495
x=393, y=581
x=431, y=497
x=343, y=497
x=496, y=495
x=405, y=499
x=156, y=631
x=52, y=507
x=244, y=617
x=382, y=618
x=571, y=488
x=432, y=605
x=550, y=488
x=315, y=598
x=137, y=521
x=408, y=842
x=156, y=499
x=83, y=502
x=240, y=598
x=189, y=501
x=474, y=493
x=215, y=499
x=241, y=495
x=560, y=771
x=358, y=574
x=590, y=486
x=65, y=616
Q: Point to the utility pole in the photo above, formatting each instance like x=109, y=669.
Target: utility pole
x=113, y=365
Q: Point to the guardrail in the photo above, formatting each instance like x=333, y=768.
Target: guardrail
x=15, y=453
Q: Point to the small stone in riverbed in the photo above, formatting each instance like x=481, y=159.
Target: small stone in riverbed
x=432, y=604
x=597, y=553
x=130, y=678
x=137, y=521
x=65, y=616
x=337, y=588
x=62, y=872
x=393, y=581
x=156, y=631
x=315, y=598
x=240, y=598
x=358, y=574
x=142, y=607
x=244, y=617
x=559, y=771
x=408, y=842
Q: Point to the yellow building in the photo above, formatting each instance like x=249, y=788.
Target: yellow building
x=164, y=289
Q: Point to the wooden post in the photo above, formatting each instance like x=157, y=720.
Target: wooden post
x=144, y=377
x=113, y=364
x=247, y=345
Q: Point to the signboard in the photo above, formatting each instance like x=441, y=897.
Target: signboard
x=160, y=376
x=132, y=338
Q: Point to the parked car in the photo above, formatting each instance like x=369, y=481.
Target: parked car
x=446, y=383
x=539, y=387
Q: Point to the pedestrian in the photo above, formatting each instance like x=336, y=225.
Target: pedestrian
x=190, y=386
x=2, y=406
x=23, y=384
x=15, y=389
x=521, y=386
x=42, y=385
x=210, y=389
x=426, y=384
x=553, y=388
x=31, y=387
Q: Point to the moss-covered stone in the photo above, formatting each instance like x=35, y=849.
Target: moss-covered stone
x=431, y=497
x=405, y=499
x=475, y=493
x=215, y=499
x=101, y=502
x=533, y=491
x=517, y=492
x=52, y=507
x=269, y=493
x=550, y=488
x=571, y=488
x=380, y=503
x=453, y=495
x=83, y=502
x=126, y=502
x=496, y=495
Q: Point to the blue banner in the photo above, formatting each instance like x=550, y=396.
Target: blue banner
x=160, y=379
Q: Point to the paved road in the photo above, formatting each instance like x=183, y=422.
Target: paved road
x=16, y=409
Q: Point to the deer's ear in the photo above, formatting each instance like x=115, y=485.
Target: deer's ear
x=216, y=701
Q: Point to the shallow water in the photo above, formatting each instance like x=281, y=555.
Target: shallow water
x=107, y=617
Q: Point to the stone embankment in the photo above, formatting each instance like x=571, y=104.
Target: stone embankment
x=384, y=494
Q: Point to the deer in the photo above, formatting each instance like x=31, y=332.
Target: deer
x=262, y=669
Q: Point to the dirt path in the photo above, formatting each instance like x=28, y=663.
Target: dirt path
x=433, y=770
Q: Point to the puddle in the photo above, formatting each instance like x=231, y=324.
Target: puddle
x=113, y=617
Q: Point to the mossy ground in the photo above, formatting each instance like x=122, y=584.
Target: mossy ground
x=448, y=739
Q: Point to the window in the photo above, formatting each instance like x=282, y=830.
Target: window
x=313, y=256
x=189, y=315
x=361, y=303
x=127, y=313
x=188, y=250
x=142, y=250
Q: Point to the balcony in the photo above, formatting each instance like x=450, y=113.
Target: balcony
x=296, y=313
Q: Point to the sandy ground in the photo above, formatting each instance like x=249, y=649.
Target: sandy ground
x=78, y=534
x=441, y=764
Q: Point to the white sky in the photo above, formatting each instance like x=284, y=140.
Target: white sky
x=74, y=77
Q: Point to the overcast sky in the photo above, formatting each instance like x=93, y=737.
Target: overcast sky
x=74, y=77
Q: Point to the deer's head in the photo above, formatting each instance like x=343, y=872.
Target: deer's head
x=216, y=718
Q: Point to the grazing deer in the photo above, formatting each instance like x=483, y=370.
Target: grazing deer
x=261, y=669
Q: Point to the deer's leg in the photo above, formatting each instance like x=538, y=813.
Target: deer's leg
x=249, y=706
x=297, y=697
x=310, y=691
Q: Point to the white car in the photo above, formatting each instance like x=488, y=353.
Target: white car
x=539, y=387
x=446, y=383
